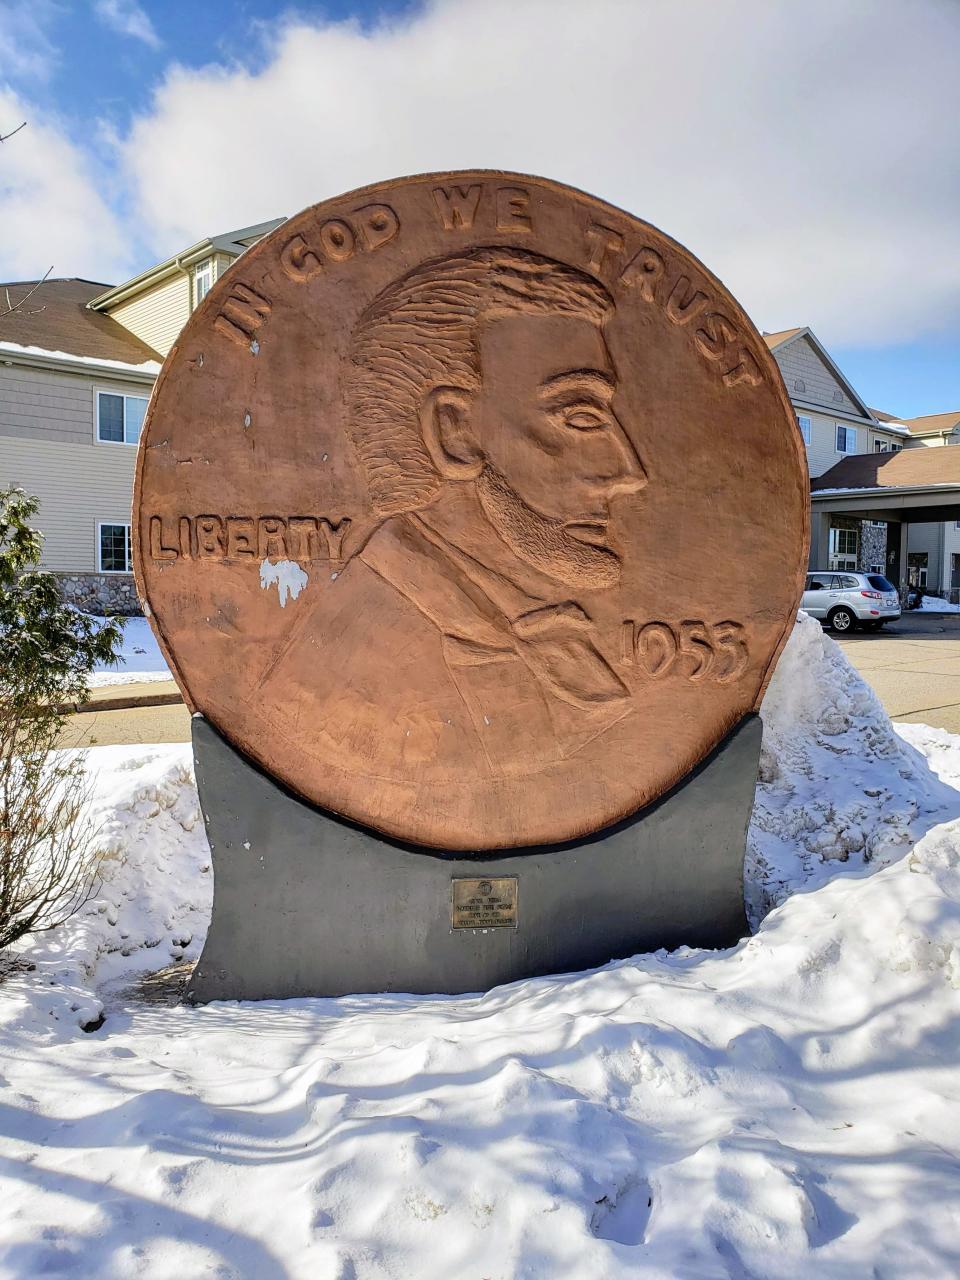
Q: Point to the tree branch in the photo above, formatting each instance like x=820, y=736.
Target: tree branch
x=5, y=136
x=17, y=306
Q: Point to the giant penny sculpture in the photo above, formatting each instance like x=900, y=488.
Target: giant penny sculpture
x=471, y=508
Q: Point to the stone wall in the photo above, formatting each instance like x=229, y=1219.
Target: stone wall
x=873, y=547
x=103, y=594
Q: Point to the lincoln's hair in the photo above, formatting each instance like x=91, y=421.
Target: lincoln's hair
x=422, y=332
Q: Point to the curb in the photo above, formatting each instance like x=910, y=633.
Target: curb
x=121, y=703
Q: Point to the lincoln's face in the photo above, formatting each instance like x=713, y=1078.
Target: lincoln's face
x=550, y=453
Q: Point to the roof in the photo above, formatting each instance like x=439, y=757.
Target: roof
x=777, y=340
x=57, y=320
x=934, y=422
x=232, y=242
x=886, y=417
x=909, y=468
x=774, y=340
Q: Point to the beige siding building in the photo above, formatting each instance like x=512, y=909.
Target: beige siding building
x=836, y=423
x=77, y=364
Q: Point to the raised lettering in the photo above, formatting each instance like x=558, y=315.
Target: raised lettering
x=457, y=207
x=656, y=648
x=746, y=370
x=334, y=534
x=512, y=205
x=685, y=302
x=715, y=335
x=644, y=271
x=299, y=261
x=157, y=550
x=271, y=538
x=209, y=531
x=378, y=225
x=304, y=540
x=337, y=240
x=604, y=241
x=241, y=537
x=186, y=537
x=242, y=314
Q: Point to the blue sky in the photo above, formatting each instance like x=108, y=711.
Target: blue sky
x=806, y=151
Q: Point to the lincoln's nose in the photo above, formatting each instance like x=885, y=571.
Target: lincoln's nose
x=627, y=472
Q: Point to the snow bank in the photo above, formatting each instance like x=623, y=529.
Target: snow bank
x=934, y=604
x=783, y=1109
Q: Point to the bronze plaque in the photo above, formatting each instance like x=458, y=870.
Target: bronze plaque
x=471, y=508
x=484, y=904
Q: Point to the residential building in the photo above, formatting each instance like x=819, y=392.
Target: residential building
x=933, y=554
x=77, y=364
x=835, y=423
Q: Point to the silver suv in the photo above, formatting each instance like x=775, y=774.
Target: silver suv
x=844, y=599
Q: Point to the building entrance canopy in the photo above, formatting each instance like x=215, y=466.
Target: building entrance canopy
x=913, y=486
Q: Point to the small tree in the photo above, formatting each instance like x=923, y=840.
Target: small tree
x=47, y=651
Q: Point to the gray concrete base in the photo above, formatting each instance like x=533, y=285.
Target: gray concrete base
x=307, y=904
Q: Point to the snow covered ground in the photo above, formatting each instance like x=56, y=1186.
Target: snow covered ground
x=934, y=604
x=141, y=659
x=784, y=1109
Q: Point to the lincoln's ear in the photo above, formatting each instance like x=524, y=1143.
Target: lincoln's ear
x=445, y=423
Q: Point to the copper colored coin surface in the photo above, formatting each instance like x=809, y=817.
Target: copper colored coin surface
x=471, y=508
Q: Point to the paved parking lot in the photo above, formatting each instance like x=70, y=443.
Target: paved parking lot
x=914, y=666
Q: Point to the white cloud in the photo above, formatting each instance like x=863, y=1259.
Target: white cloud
x=127, y=18
x=51, y=208
x=806, y=152
x=26, y=52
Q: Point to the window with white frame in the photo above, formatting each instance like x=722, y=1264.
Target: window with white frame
x=114, y=551
x=880, y=446
x=806, y=429
x=846, y=439
x=202, y=280
x=119, y=418
x=895, y=448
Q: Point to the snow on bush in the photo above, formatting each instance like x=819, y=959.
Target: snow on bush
x=783, y=1109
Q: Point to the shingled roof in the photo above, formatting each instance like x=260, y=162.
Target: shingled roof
x=910, y=468
x=56, y=318
x=934, y=422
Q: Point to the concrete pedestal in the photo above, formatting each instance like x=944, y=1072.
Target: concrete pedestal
x=307, y=904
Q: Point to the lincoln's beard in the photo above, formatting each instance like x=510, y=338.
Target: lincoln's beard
x=543, y=542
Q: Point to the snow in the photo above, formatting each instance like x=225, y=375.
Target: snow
x=786, y=1108
x=141, y=661
x=146, y=366
x=934, y=604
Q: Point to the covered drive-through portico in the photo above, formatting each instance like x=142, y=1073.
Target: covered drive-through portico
x=915, y=486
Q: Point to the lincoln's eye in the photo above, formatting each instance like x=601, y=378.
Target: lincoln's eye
x=583, y=419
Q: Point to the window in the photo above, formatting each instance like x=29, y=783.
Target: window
x=895, y=448
x=848, y=584
x=879, y=582
x=880, y=446
x=202, y=281
x=114, y=552
x=803, y=422
x=119, y=418
x=846, y=542
x=844, y=545
x=846, y=439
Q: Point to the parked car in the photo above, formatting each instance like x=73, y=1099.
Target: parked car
x=843, y=600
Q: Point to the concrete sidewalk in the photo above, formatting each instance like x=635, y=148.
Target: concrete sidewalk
x=129, y=713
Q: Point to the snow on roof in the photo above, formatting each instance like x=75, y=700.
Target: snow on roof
x=68, y=357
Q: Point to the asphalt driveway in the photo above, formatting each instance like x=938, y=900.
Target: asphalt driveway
x=914, y=667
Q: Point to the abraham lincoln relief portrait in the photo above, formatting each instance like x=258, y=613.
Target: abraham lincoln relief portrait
x=480, y=398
